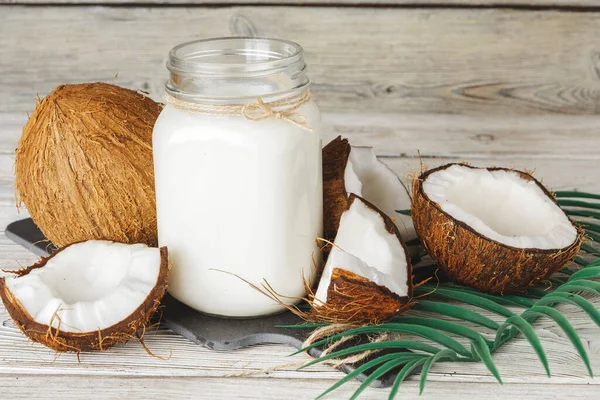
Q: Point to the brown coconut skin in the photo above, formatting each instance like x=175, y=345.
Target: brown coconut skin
x=84, y=166
x=335, y=197
x=131, y=328
x=352, y=298
x=471, y=259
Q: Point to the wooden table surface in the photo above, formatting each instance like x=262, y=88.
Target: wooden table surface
x=495, y=84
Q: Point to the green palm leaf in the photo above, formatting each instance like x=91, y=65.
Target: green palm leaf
x=589, y=249
x=526, y=329
x=470, y=298
x=583, y=195
x=443, y=325
x=444, y=354
x=564, y=324
x=509, y=299
x=593, y=235
x=586, y=273
x=573, y=299
x=385, y=368
x=582, y=282
x=582, y=213
x=422, y=331
x=399, y=358
x=578, y=203
x=393, y=344
x=581, y=261
x=453, y=311
x=574, y=289
x=404, y=372
x=481, y=349
x=589, y=226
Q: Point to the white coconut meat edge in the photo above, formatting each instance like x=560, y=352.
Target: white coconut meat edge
x=365, y=247
x=501, y=206
x=368, y=177
x=89, y=286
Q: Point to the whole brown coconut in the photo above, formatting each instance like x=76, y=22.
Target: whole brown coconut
x=472, y=259
x=84, y=166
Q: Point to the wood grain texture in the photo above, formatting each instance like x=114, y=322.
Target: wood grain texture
x=449, y=136
x=27, y=387
x=378, y=60
x=411, y=3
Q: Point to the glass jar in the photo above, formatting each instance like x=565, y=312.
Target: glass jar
x=237, y=159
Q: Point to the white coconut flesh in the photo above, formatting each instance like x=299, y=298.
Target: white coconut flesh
x=368, y=177
x=502, y=206
x=89, y=286
x=365, y=247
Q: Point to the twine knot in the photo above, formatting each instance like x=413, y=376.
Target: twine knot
x=281, y=109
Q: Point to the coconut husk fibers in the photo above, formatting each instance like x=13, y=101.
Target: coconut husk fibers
x=131, y=328
x=84, y=166
x=352, y=298
x=335, y=197
x=471, y=259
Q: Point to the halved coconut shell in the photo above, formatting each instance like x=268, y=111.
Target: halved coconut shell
x=478, y=224
x=349, y=169
x=32, y=288
x=368, y=274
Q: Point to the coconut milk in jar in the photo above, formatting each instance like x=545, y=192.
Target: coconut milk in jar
x=237, y=158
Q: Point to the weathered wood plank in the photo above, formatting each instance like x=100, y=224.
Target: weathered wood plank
x=189, y=360
x=369, y=59
x=28, y=386
x=454, y=136
x=415, y=3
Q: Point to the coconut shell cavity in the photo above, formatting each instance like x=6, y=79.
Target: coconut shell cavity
x=89, y=295
x=495, y=229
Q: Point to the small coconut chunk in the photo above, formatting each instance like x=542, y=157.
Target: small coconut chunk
x=501, y=205
x=348, y=169
x=370, y=178
x=368, y=264
x=87, y=291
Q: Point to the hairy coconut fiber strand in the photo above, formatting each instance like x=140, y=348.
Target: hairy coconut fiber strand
x=472, y=259
x=84, y=166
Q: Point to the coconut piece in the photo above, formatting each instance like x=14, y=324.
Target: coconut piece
x=368, y=274
x=495, y=229
x=89, y=295
x=84, y=166
x=348, y=169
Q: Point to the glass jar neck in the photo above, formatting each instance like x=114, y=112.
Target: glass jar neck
x=236, y=70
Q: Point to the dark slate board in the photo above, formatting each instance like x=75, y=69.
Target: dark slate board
x=209, y=331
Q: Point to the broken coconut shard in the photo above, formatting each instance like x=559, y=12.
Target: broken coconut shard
x=349, y=169
x=368, y=274
x=89, y=295
x=495, y=229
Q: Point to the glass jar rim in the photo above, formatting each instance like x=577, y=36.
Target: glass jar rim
x=193, y=58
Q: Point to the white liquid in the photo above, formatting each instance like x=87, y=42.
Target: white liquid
x=238, y=196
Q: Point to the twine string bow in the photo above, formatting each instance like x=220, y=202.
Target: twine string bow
x=285, y=110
